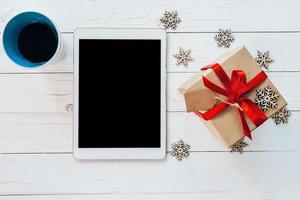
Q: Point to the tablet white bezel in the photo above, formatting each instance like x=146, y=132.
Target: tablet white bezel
x=120, y=153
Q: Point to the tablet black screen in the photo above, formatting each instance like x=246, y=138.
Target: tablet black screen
x=119, y=93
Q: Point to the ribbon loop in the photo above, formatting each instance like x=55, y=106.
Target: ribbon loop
x=234, y=90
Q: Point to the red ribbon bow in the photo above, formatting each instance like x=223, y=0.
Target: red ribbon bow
x=236, y=88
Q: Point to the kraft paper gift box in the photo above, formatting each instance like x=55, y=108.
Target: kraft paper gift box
x=226, y=125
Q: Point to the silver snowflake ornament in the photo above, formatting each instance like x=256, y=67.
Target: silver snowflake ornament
x=281, y=116
x=180, y=150
x=224, y=37
x=238, y=146
x=170, y=20
x=263, y=59
x=266, y=98
x=183, y=57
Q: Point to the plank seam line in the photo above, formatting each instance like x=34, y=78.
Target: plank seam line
x=69, y=113
x=168, y=72
x=192, y=72
x=253, y=32
x=204, y=151
x=111, y=193
x=182, y=111
x=33, y=73
x=102, y=194
x=178, y=32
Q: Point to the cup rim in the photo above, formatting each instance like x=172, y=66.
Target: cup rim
x=59, y=40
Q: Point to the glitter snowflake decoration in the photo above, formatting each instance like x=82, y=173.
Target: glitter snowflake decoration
x=224, y=38
x=239, y=146
x=183, y=57
x=281, y=116
x=266, y=98
x=180, y=150
x=170, y=20
x=263, y=59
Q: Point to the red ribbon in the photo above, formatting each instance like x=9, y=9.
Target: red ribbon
x=235, y=89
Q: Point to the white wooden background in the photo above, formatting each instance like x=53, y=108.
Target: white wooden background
x=36, y=129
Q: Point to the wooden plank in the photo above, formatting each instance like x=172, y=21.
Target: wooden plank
x=31, y=102
x=196, y=15
x=288, y=84
x=267, y=137
x=204, y=49
x=64, y=65
x=161, y=196
x=259, y=173
x=38, y=132
x=35, y=92
x=52, y=92
x=52, y=133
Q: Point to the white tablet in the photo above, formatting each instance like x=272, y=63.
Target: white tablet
x=119, y=94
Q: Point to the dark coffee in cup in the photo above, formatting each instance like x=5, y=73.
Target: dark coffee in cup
x=37, y=42
x=31, y=39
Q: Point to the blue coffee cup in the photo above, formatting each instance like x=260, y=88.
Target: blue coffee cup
x=11, y=35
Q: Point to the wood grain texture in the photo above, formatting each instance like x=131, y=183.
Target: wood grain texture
x=203, y=48
x=34, y=118
x=36, y=130
x=52, y=133
x=206, y=15
x=35, y=92
x=281, y=46
x=52, y=92
x=234, y=195
x=210, y=173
